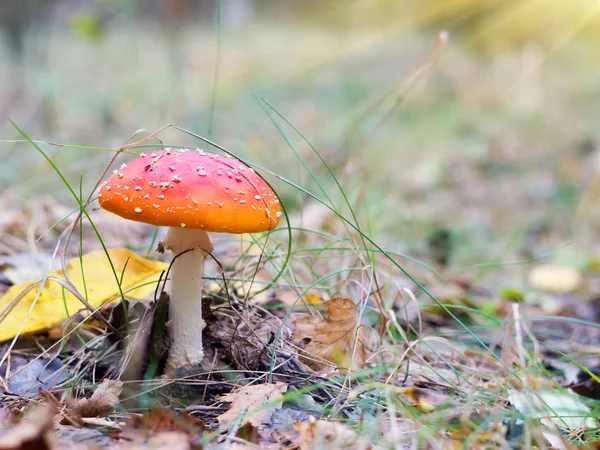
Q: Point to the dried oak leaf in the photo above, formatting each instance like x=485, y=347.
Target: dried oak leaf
x=102, y=402
x=326, y=341
x=34, y=431
x=249, y=401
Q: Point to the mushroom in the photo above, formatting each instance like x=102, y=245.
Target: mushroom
x=192, y=192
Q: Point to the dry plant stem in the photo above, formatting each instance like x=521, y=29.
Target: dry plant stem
x=185, y=309
x=519, y=334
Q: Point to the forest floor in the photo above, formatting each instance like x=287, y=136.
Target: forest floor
x=435, y=282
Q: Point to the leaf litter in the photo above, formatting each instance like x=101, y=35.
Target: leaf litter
x=425, y=383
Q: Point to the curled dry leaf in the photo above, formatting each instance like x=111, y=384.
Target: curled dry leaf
x=102, y=402
x=326, y=341
x=249, y=401
x=35, y=431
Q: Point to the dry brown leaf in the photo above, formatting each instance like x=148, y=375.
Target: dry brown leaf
x=102, y=402
x=330, y=340
x=249, y=400
x=323, y=434
x=35, y=431
x=157, y=421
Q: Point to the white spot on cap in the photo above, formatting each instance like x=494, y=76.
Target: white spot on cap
x=242, y=201
x=123, y=166
x=155, y=205
x=120, y=175
x=240, y=179
x=257, y=197
x=115, y=171
x=147, y=196
x=194, y=201
x=152, y=183
x=172, y=168
x=138, y=210
x=160, y=196
x=182, y=225
x=126, y=188
x=138, y=188
x=202, y=173
x=219, y=172
x=278, y=214
x=142, y=155
x=164, y=185
x=176, y=178
x=108, y=187
x=100, y=195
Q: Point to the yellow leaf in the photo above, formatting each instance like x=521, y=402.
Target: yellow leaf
x=55, y=304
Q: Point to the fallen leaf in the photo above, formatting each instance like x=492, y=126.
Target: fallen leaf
x=553, y=408
x=555, y=279
x=166, y=440
x=34, y=431
x=325, y=341
x=55, y=304
x=323, y=434
x=27, y=375
x=146, y=428
x=426, y=400
x=249, y=401
x=102, y=402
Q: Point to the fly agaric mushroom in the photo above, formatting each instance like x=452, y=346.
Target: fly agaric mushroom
x=191, y=192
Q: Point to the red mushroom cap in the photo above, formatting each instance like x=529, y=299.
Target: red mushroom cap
x=191, y=188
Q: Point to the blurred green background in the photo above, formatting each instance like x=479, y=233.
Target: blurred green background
x=493, y=136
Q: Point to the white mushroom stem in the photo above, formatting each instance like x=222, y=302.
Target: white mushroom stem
x=185, y=306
